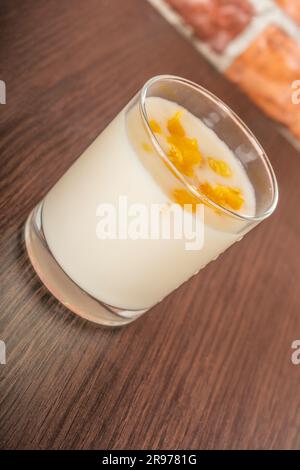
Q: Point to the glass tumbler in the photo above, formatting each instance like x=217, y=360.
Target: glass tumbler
x=114, y=279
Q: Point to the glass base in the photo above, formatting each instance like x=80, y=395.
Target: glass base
x=61, y=286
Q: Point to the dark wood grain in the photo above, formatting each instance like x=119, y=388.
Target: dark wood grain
x=209, y=367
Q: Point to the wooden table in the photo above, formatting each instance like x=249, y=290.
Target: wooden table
x=209, y=367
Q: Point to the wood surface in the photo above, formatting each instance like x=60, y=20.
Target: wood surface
x=210, y=366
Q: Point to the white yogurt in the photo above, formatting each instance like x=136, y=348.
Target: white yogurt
x=133, y=274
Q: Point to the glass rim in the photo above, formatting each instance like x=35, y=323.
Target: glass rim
x=237, y=120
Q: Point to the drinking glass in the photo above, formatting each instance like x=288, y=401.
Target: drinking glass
x=114, y=281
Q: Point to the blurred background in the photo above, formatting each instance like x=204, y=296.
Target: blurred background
x=255, y=43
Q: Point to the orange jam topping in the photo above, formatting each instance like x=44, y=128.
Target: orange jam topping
x=174, y=125
x=184, y=152
x=182, y=197
x=220, y=167
x=223, y=195
x=155, y=127
x=147, y=147
x=185, y=155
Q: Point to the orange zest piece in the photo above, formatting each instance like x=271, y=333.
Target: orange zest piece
x=184, y=152
x=220, y=167
x=155, y=127
x=225, y=196
x=183, y=196
x=174, y=125
x=147, y=147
